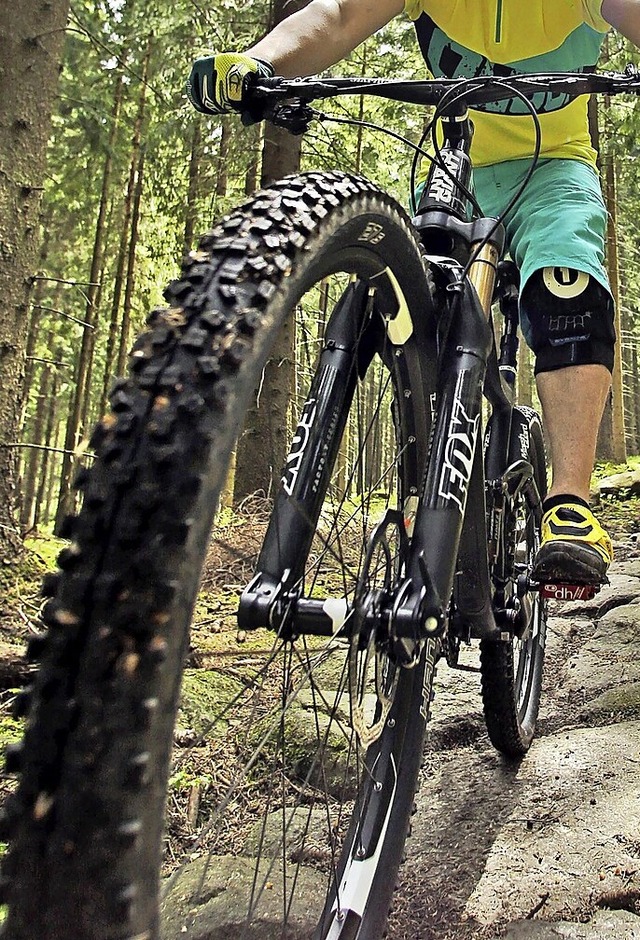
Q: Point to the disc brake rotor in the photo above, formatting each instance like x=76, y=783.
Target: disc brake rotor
x=373, y=676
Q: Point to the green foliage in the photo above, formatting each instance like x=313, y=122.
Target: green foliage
x=604, y=469
x=197, y=168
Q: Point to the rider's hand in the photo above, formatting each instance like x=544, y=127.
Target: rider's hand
x=217, y=83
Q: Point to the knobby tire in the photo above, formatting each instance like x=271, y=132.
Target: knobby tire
x=85, y=825
x=512, y=671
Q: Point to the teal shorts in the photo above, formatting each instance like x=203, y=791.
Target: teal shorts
x=559, y=221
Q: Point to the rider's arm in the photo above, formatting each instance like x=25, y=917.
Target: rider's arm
x=624, y=15
x=322, y=33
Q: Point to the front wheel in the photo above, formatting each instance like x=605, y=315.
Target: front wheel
x=512, y=671
x=289, y=782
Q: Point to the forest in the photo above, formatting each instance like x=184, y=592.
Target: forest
x=109, y=183
x=134, y=176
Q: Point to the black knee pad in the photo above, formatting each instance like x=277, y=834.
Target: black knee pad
x=571, y=319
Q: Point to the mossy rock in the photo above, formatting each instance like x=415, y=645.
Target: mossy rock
x=205, y=697
x=622, y=701
x=317, y=748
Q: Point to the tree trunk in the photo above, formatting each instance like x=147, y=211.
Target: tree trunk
x=611, y=440
x=80, y=403
x=47, y=462
x=31, y=43
x=222, y=174
x=191, y=211
x=118, y=283
x=97, y=258
x=35, y=455
x=131, y=264
x=634, y=403
x=619, y=450
x=32, y=336
x=254, y=141
x=262, y=448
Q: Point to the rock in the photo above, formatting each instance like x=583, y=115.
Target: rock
x=618, y=703
x=205, y=693
x=571, y=838
x=605, y=925
x=620, y=485
x=624, y=588
x=536, y=850
x=206, y=901
x=609, y=656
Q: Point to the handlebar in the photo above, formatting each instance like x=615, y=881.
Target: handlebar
x=283, y=98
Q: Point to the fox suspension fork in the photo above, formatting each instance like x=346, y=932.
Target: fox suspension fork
x=455, y=461
x=272, y=598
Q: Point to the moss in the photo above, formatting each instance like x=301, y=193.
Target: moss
x=602, y=470
x=46, y=549
x=205, y=697
x=10, y=730
x=24, y=574
x=316, y=746
x=20, y=585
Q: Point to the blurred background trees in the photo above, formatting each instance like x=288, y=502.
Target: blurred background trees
x=134, y=175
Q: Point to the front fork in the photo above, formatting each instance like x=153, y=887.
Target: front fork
x=272, y=598
x=454, y=469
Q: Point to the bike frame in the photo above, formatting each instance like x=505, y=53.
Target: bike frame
x=449, y=552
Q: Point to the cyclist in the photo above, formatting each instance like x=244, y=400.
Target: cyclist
x=556, y=232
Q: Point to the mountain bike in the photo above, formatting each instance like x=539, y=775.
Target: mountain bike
x=391, y=545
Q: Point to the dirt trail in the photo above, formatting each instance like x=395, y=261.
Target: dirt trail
x=545, y=849
x=549, y=848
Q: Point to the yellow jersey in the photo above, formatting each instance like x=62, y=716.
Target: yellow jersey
x=470, y=38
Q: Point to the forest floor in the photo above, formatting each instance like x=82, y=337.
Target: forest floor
x=546, y=849
x=541, y=850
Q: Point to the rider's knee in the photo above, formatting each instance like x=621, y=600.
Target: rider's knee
x=570, y=318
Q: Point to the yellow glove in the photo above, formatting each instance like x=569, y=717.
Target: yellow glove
x=217, y=83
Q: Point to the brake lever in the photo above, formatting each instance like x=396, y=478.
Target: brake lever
x=292, y=113
x=294, y=116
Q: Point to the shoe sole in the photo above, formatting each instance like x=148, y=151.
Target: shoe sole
x=561, y=562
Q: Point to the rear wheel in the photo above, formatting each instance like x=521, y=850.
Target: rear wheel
x=307, y=817
x=512, y=671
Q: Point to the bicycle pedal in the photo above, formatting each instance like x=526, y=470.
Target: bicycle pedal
x=569, y=592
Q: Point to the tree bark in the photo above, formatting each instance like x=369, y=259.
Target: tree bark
x=222, y=171
x=125, y=234
x=41, y=507
x=611, y=440
x=123, y=347
x=254, y=137
x=262, y=447
x=97, y=258
x=35, y=455
x=191, y=211
x=31, y=43
x=84, y=362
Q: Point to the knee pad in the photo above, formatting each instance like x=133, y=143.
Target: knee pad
x=571, y=319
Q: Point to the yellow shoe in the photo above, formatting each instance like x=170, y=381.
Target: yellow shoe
x=575, y=549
